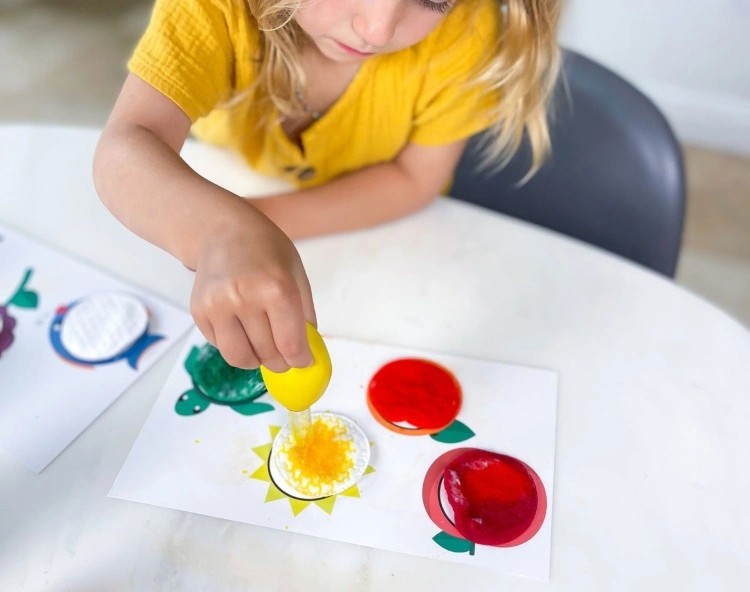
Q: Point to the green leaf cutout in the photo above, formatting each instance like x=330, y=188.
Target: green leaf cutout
x=454, y=544
x=24, y=298
x=454, y=433
x=252, y=408
x=191, y=403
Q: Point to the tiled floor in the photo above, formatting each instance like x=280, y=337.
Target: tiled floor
x=63, y=61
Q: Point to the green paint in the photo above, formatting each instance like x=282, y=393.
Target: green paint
x=24, y=298
x=252, y=408
x=454, y=544
x=215, y=381
x=191, y=403
x=454, y=433
x=219, y=381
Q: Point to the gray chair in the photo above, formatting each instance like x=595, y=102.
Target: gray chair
x=615, y=178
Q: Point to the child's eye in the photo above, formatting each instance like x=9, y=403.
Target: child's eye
x=441, y=7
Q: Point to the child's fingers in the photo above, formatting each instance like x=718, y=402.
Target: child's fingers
x=233, y=343
x=258, y=330
x=205, y=327
x=305, y=292
x=287, y=321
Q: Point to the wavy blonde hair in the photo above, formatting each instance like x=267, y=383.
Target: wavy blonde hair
x=521, y=69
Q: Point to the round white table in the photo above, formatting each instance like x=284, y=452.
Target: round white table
x=652, y=475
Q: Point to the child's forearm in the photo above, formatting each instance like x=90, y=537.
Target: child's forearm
x=153, y=192
x=365, y=198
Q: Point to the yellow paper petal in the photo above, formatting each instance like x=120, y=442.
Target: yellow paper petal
x=263, y=451
x=262, y=473
x=298, y=505
x=353, y=491
x=327, y=504
x=274, y=493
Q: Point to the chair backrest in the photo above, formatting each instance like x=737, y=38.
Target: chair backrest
x=615, y=178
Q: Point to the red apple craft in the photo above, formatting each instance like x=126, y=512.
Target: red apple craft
x=417, y=397
x=477, y=497
x=493, y=496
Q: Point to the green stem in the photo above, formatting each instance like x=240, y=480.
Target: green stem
x=21, y=287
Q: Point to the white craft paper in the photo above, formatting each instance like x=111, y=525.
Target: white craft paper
x=205, y=463
x=45, y=401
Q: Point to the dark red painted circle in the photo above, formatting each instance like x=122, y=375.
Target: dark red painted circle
x=493, y=496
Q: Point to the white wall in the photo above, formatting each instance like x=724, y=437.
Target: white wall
x=692, y=57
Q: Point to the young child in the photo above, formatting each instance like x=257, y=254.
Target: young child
x=364, y=105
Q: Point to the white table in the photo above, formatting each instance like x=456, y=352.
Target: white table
x=653, y=452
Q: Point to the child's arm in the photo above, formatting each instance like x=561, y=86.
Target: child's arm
x=251, y=295
x=364, y=198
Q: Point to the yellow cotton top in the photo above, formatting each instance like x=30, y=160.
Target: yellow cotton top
x=201, y=53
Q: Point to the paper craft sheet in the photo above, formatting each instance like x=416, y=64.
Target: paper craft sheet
x=215, y=462
x=45, y=400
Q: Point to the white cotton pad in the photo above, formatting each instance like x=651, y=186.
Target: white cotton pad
x=330, y=432
x=103, y=326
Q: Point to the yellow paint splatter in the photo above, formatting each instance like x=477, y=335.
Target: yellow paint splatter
x=244, y=471
x=273, y=493
x=197, y=441
x=328, y=457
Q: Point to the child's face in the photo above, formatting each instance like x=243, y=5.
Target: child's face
x=350, y=31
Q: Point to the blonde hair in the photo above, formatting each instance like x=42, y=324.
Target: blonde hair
x=521, y=69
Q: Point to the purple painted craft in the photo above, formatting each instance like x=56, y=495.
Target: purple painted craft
x=22, y=298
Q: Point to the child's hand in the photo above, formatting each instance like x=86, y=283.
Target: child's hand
x=251, y=295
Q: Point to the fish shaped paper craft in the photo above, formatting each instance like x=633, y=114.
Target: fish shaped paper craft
x=103, y=328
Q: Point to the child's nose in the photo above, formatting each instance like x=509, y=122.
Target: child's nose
x=375, y=21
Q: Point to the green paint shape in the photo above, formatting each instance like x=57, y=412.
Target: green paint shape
x=191, y=403
x=454, y=544
x=252, y=408
x=454, y=433
x=24, y=298
x=219, y=381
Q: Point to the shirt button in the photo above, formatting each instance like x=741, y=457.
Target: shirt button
x=306, y=174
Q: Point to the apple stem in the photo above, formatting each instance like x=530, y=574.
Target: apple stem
x=25, y=279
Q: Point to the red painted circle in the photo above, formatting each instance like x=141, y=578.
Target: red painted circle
x=502, y=501
x=417, y=392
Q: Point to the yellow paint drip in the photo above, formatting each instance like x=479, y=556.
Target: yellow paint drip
x=325, y=459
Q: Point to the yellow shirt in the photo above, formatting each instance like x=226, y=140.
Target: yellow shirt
x=200, y=53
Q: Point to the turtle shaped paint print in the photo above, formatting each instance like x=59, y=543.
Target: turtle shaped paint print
x=22, y=298
x=215, y=381
x=102, y=328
